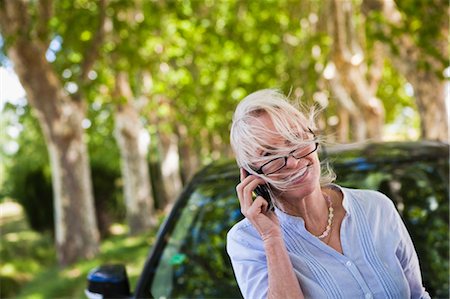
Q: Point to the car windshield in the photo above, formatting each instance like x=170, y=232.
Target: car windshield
x=195, y=257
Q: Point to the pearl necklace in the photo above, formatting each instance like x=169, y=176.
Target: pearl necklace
x=330, y=217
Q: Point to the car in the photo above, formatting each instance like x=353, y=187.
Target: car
x=189, y=259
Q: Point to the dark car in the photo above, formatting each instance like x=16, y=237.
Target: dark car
x=189, y=259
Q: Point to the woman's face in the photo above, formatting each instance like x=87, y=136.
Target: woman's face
x=299, y=177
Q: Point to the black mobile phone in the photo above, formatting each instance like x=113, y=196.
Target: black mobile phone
x=263, y=191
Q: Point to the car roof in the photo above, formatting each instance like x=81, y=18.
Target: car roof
x=346, y=154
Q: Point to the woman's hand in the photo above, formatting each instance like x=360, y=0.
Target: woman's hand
x=256, y=210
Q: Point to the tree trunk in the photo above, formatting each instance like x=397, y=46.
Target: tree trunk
x=343, y=126
x=348, y=59
x=133, y=150
x=60, y=119
x=189, y=156
x=170, y=166
x=429, y=89
x=169, y=153
x=430, y=93
x=346, y=103
x=75, y=221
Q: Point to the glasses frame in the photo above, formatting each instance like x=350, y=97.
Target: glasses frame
x=316, y=146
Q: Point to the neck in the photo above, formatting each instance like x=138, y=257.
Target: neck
x=312, y=208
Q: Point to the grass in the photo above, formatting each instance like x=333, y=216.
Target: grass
x=28, y=263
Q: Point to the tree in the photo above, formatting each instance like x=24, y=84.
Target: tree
x=25, y=27
x=206, y=63
x=348, y=78
x=128, y=129
x=126, y=82
x=415, y=37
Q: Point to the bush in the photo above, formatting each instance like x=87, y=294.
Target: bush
x=108, y=196
x=32, y=188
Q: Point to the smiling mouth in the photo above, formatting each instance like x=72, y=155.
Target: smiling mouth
x=302, y=173
x=303, y=170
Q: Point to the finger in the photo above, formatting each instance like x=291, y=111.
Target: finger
x=267, y=207
x=252, y=177
x=258, y=206
x=243, y=174
x=245, y=191
x=248, y=180
x=245, y=195
x=249, y=187
x=243, y=201
x=264, y=204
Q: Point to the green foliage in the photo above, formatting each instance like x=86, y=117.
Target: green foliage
x=24, y=253
x=426, y=22
x=29, y=268
x=28, y=179
x=392, y=91
x=400, y=107
x=108, y=197
x=72, y=30
x=203, y=58
x=52, y=282
x=33, y=190
x=103, y=150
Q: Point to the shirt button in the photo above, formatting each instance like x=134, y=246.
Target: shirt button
x=348, y=264
x=368, y=296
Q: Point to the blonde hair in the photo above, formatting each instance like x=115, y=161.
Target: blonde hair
x=248, y=135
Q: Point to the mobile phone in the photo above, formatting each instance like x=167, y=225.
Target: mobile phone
x=263, y=191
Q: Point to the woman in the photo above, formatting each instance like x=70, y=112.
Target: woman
x=320, y=240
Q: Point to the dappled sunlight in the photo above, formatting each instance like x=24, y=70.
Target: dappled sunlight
x=8, y=210
x=22, y=236
x=8, y=269
x=72, y=273
x=117, y=229
x=51, y=282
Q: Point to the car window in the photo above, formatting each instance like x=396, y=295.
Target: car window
x=195, y=262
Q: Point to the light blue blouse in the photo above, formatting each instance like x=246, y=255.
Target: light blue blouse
x=378, y=260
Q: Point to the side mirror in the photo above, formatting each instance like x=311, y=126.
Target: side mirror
x=108, y=281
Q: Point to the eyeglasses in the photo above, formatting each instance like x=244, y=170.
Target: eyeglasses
x=275, y=165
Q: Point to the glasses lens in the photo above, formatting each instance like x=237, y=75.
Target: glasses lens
x=273, y=166
x=304, y=151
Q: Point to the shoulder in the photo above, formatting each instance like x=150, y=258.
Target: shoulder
x=368, y=197
x=370, y=201
x=244, y=243
x=242, y=231
x=374, y=213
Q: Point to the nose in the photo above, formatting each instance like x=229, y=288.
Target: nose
x=292, y=163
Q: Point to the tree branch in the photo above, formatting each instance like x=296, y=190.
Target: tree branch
x=376, y=69
x=45, y=11
x=14, y=18
x=123, y=88
x=92, y=52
